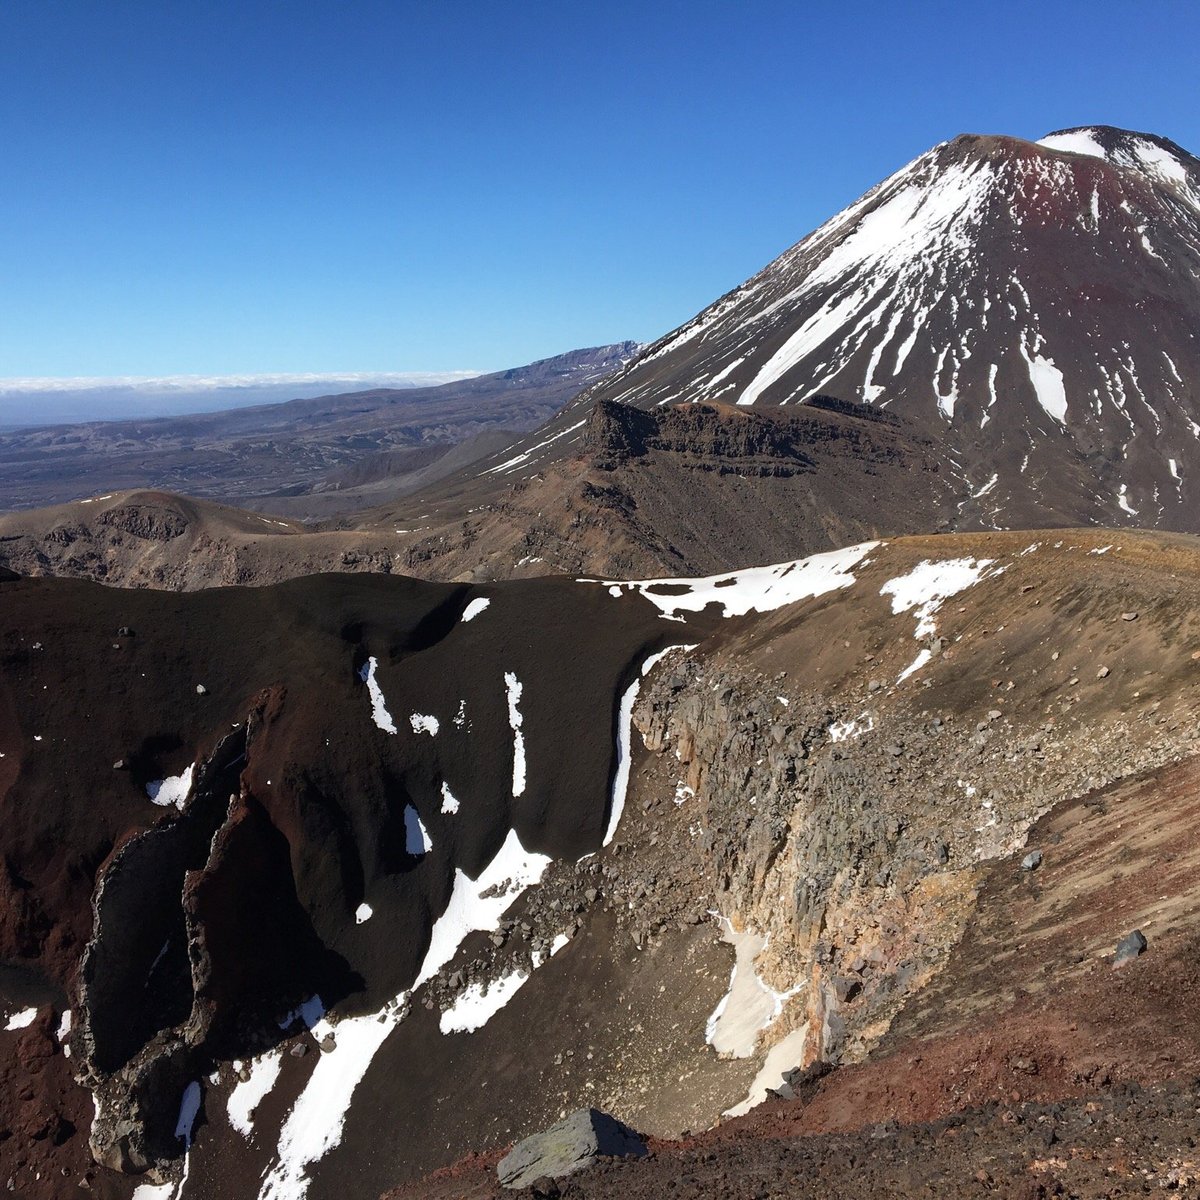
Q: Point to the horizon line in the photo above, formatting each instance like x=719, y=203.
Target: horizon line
x=24, y=384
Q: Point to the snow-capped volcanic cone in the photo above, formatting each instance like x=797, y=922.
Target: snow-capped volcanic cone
x=1035, y=303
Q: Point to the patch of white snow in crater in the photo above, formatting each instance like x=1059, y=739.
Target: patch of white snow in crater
x=923, y=658
x=363, y=913
x=757, y=589
x=475, y=608
x=621, y=779
x=513, y=689
x=449, y=800
x=624, y=751
x=309, y=1013
x=786, y=1055
x=379, y=712
x=189, y=1107
x=314, y=1125
x=21, y=1020
x=653, y=660
x=929, y=584
x=249, y=1093
x=416, y=837
x=64, y=1027
x=512, y=871
x=424, y=723
x=750, y=1005
x=476, y=1005
x=172, y=790
x=153, y=1191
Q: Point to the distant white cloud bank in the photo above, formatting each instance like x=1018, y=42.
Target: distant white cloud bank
x=37, y=400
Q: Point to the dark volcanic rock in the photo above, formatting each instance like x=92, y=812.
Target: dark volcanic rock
x=1130, y=947
x=184, y=933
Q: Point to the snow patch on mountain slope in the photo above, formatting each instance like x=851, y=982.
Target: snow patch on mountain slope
x=1047, y=382
x=475, y=608
x=250, y=1092
x=314, y=1125
x=519, y=460
x=1077, y=141
x=173, y=790
x=895, y=241
x=379, y=712
x=925, y=588
x=513, y=689
x=750, y=1005
x=418, y=843
x=757, y=589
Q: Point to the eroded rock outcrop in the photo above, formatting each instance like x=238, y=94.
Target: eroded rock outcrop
x=853, y=838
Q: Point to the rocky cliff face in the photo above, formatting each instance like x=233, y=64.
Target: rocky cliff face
x=850, y=826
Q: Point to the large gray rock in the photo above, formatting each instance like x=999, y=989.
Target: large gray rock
x=569, y=1146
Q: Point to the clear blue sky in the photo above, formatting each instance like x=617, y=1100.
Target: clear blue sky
x=249, y=186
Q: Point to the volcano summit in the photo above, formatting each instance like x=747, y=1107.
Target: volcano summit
x=1032, y=306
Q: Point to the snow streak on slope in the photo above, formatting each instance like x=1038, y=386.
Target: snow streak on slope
x=249, y=1093
x=314, y=1125
x=864, y=270
x=379, y=712
x=925, y=588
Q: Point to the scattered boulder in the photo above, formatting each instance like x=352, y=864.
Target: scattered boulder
x=1129, y=616
x=567, y=1147
x=1031, y=861
x=1129, y=947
